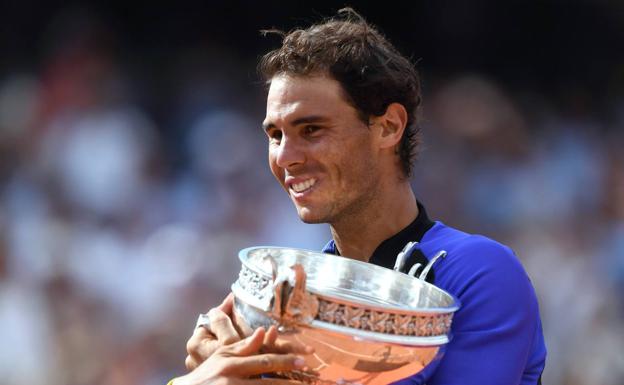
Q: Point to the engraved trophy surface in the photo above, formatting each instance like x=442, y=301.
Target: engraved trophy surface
x=367, y=324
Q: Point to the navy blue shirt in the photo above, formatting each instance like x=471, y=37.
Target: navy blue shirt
x=497, y=334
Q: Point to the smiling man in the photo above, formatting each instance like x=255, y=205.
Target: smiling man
x=342, y=131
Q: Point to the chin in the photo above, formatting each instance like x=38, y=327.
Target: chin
x=307, y=216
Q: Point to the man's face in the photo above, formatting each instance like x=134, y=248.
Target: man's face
x=322, y=154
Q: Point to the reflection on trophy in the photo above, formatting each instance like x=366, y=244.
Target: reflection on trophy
x=368, y=324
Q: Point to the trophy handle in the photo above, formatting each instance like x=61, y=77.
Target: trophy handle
x=291, y=304
x=406, y=252
x=413, y=269
x=423, y=275
x=402, y=256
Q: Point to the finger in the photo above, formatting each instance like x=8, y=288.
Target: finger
x=263, y=363
x=202, y=333
x=274, y=345
x=191, y=362
x=286, y=346
x=247, y=346
x=227, y=305
x=202, y=344
x=263, y=381
x=270, y=337
x=268, y=381
x=222, y=327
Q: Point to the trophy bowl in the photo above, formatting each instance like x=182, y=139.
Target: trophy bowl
x=367, y=324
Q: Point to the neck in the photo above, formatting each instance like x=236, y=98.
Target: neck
x=358, y=235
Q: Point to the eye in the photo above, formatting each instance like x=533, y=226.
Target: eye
x=275, y=135
x=310, y=129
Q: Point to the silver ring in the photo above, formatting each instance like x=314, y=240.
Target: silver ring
x=203, y=320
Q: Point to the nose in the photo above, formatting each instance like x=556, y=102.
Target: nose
x=288, y=154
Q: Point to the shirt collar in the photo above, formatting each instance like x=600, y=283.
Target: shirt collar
x=386, y=253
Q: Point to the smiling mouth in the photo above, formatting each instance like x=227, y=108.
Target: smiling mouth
x=303, y=186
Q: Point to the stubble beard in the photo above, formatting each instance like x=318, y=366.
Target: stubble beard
x=354, y=212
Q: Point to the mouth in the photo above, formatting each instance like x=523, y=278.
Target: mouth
x=302, y=187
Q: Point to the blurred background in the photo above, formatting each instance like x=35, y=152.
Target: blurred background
x=133, y=169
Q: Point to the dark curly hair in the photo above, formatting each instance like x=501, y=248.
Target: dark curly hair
x=369, y=68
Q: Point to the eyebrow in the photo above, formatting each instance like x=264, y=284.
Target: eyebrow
x=299, y=121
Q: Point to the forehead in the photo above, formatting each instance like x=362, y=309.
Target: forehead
x=295, y=95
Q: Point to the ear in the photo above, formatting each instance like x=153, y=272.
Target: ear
x=392, y=125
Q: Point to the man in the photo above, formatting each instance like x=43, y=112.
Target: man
x=341, y=125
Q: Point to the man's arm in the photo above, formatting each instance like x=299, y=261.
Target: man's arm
x=497, y=337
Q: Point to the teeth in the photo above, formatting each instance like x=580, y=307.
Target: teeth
x=299, y=187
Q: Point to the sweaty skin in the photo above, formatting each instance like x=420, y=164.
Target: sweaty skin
x=336, y=168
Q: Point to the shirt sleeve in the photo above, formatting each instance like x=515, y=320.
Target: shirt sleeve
x=497, y=329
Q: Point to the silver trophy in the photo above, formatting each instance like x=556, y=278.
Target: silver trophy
x=367, y=324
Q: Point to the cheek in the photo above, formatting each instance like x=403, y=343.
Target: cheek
x=277, y=171
x=359, y=168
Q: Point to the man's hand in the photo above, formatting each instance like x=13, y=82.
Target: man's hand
x=205, y=341
x=233, y=364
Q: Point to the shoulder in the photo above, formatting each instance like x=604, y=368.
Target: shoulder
x=481, y=272
x=497, y=329
x=471, y=253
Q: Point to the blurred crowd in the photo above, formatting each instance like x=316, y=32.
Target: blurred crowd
x=119, y=223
